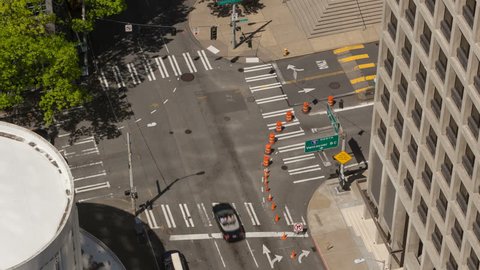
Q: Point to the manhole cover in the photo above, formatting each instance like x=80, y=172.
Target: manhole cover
x=226, y=118
x=284, y=167
x=334, y=85
x=188, y=131
x=171, y=132
x=187, y=77
x=250, y=99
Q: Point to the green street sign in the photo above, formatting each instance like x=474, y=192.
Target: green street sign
x=242, y=20
x=226, y=2
x=332, y=118
x=321, y=144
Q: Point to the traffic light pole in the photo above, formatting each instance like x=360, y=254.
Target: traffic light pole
x=343, y=135
x=234, y=26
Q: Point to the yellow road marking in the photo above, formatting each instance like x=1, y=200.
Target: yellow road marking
x=348, y=48
x=362, y=79
x=364, y=66
x=363, y=89
x=370, y=77
x=353, y=58
x=325, y=75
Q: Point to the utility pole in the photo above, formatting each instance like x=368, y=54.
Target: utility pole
x=234, y=25
x=339, y=129
x=84, y=45
x=133, y=189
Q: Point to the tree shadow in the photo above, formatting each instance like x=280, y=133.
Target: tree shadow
x=246, y=7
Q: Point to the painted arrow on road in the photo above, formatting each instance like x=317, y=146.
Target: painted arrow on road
x=277, y=258
x=292, y=67
x=303, y=254
x=306, y=90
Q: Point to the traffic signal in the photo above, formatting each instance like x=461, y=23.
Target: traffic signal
x=174, y=31
x=213, y=33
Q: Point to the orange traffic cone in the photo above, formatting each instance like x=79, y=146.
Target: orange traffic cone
x=289, y=116
x=293, y=254
x=268, y=149
x=277, y=218
x=266, y=161
x=266, y=173
x=273, y=206
x=271, y=137
x=331, y=101
x=267, y=188
x=306, y=107
x=284, y=236
x=279, y=127
x=270, y=197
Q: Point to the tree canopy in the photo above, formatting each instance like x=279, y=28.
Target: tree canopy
x=95, y=9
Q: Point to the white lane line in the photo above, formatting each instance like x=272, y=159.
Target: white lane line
x=251, y=252
x=189, y=217
x=303, y=168
x=254, y=214
x=306, y=171
x=188, y=62
x=345, y=108
x=122, y=82
x=303, y=221
x=92, y=187
x=257, y=67
x=172, y=65
x=148, y=72
x=288, y=214
x=82, y=154
x=295, y=122
x=152, y=112
x=183, y=237
x=206, y=236
x=289, y=135
x=77, y=143
x=150, y=69
x=298, y=158
x=153, y=224
x=63, y=135
x=308, y=179
x=205, y=212
x=165, y=101
x=260, y=77
x=287, y=148
x=250, y=214
x=90, y=176
x=138, y=120
x=263, y=87
x=189, y=58
x=166, y=216
x=234, y=206
x=277, y=113
x=135, y=72
x=184, y=216
x=220, y=254
x=286, y=218
x=89, y=149
x=161, y=67
x=203, y=61
x=86, y=165
x=271, y=99
x=252, y=60
x=174, y=89
x=206, y=60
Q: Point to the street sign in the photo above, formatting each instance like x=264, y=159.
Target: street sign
x=332, y=118
x=242, y=20
x=321, y=144
x=297, y=227
x=128, y=28
x=343, y=157
x=226, y=2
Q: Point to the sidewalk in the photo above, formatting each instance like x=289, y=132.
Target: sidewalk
x=276, y=28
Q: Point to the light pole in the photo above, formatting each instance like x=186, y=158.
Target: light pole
x=361, y=260
x=133, y=190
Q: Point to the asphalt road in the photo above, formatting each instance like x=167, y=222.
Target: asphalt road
x=198, y=128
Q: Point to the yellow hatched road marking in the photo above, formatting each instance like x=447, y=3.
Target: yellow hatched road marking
x=323, y=75
x=370, y=77
x=364, y=66
x=363, y=89
x=348, y=48
x=353, y=58
x=362, y=79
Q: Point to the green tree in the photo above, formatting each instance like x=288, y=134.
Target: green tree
x=94, y=9
x=35, y=59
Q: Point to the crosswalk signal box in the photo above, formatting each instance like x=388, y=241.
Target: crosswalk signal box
x=213, y=33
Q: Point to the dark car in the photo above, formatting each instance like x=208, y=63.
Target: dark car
x=174, y=260
x=228, y=222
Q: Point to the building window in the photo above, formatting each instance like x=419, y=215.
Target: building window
x=392, y=26
x=398, y=124
x=408, y=183
x=452, y=132
x=457, y=93
x=403, y=88
x=446, y=24
x=419, y=251
x=476, y=79
x=412, y=150
x=385, y=98
x=431, y=141
x=468, y=160
x=476, y=226
x=441, y=65
x=436, y=103
x=463, y=52
x=457, y=233
x=472, y=261
x=474, y=121
x=451, y=264
x=410, y=13
x=442, y=205
x=382, y=132
x=421, y=76
x=395, y=157
x=462, y=198
x=407, y=51
x=417, y=114
x=469, y=11
x=427, y=176
x=425, y=38
x=430, y=5
x=389, y=63
x=447, y=168
x=422, y=209
x=437, y=239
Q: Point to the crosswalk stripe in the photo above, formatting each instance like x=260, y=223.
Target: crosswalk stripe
x=115, y=68
x=295, y=122
x=206, y=60
x=305, y=171
x=257, y=67
x=271, y=99
x=203, y=61
x=292, y=147
x=190, y=64
x=292, y=134
x=260, y=77
x=184, y=216
x=148, y=73
x=189, y=217
x=298, y=158
x=131, y=73
x=103, y=173
x=166, y=216
x=308, y=179
x=251, y=213
x=288, y=214
x=92, y=187
x=276, y=113
x=257, y=88
x=152, y=222
x=203, y=214
x=303, y=168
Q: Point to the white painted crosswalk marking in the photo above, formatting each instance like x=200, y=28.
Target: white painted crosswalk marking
x=168, y=216
x=152, y=222
x=276, y=113
x=203, y=214
x=322, y=64
x=149, y=77
x=174, y=65
x=203, y=61
x=148, y=69
x=189, y=61
x=118, y=76
x=257, y=68
x=271, y=99
x=288, y=215
x=102, y=173
x=298, y=158
x=103, y=80
x=189, y=217
x=288, y=135
x=295, y=122
x=260, y=77
x=251, y=213
x=292, y=147
x=133, y=73
x=308, y=179
x=264, y=87
x=186, y=215
x=92, y=187
x=305, y=169
x=206, y=60
x=161, y=67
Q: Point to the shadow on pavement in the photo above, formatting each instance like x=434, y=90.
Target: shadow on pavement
x=116, y=229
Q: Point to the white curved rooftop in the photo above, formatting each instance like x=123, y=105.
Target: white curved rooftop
x=36, y=194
